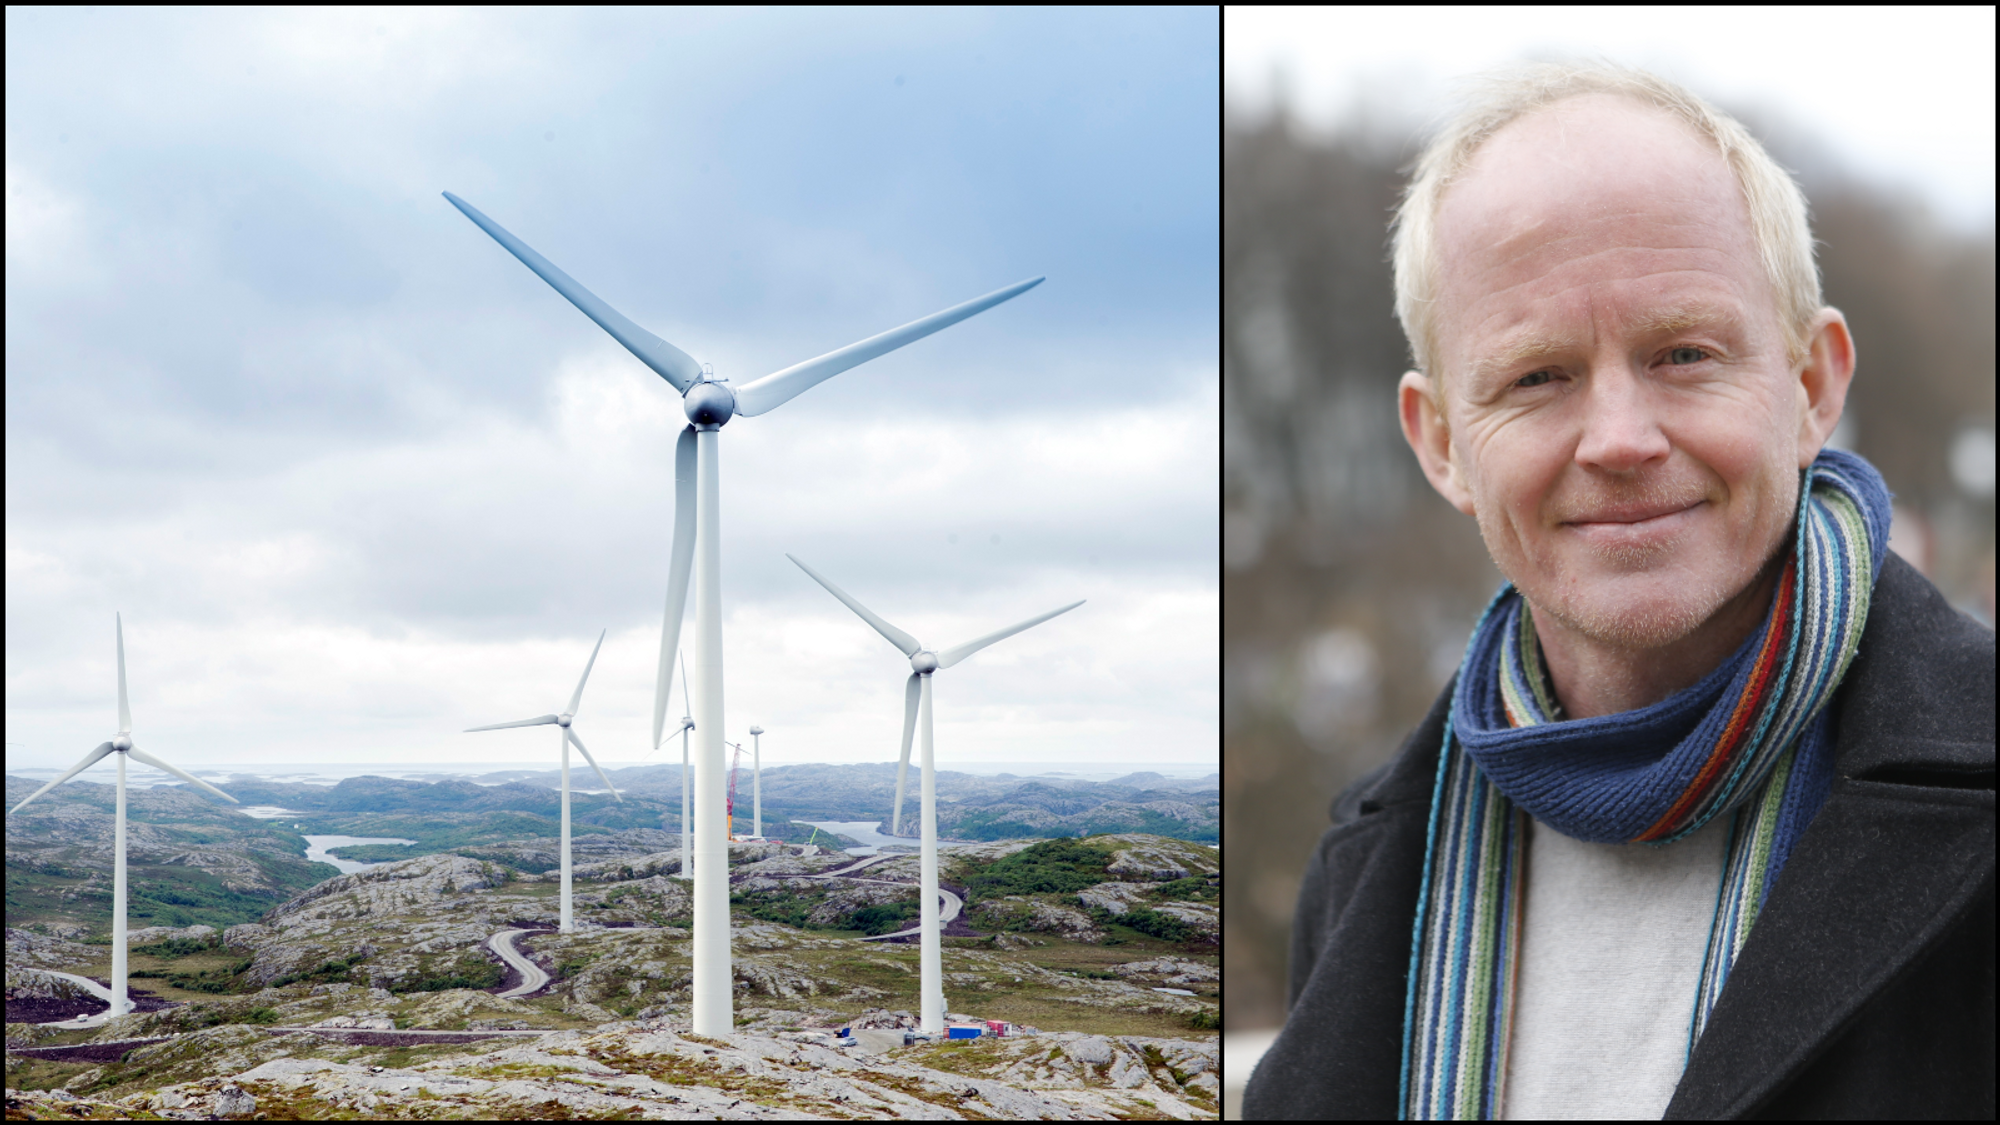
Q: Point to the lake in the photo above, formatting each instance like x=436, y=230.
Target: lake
x=267, y=812
x=316, y=847
x=863, y=830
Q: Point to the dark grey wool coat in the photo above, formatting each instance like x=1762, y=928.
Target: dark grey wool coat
x=1866, y=987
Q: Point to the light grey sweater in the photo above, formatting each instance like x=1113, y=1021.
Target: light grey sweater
x=1611, y=949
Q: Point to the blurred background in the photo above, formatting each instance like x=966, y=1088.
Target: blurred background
x=1349, y=586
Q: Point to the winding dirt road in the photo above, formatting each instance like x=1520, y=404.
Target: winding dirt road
x=533, y=979
x=101, y=992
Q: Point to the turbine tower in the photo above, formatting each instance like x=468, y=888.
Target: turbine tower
x=917, y=712
x=566, y=736
x=757, y=783
x=121, y=1000
x=687, y=822
x=709, y=405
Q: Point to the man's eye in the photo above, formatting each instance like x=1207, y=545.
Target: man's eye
x=1697, y=354
x=1534, y=380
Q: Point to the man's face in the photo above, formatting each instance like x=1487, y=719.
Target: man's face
x=1623, y=420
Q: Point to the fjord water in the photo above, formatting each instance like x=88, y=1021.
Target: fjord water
x=316, y=847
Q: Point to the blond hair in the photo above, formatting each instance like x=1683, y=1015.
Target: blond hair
x=1496, y=98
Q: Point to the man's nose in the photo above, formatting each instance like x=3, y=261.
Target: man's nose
x=1621, y=425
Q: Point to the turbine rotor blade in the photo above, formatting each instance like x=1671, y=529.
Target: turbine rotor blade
x=576, y=700
x=669, y=362
x=780, y=387
x=593, y=764
x=538, y=722
x=139, y=755
x=951, y=656
x=911, y=693
x=124, y=708
x=679, y=569
x=89, y=760
x=896, y=636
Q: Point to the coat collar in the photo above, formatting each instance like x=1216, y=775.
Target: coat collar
x=1903, y=843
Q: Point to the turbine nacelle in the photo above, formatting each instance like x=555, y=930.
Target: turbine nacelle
x=563, y=719
x=925, y=662
x=709, y=405
x=122, y=743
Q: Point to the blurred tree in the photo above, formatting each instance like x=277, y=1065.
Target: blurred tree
x=1349, y=586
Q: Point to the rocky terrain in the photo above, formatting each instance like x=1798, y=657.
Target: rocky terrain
x=399, y=953
x=642, y=1069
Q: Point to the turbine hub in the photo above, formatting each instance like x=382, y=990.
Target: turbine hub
x=709, y=405
x=562, y=720
x=925, y=661
x=756, y=730
x=121, y=743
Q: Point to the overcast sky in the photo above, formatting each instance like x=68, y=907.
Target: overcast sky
x=1903, y=95
x=357, y=479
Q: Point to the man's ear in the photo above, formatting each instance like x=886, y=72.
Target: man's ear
x=1424, y=428
x=1822, y=382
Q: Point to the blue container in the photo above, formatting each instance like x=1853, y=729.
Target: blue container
x=963, y=1032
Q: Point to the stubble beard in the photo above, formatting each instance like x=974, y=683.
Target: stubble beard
x=1606, y=619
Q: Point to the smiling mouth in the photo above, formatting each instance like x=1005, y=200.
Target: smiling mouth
x=1635, y=539
x=1633, y=518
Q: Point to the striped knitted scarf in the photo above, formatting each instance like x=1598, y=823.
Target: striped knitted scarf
x=1751, y=740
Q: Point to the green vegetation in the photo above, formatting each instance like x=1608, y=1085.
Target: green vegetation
x=180, y=947
x=329, y=972
x=1207, y=1019
x=886, y=918
x=224, y=978
x=1055, y=867
x=1148, y=921
x=469, y=971
x=574, y=965
x=791, y=907
x=158, y=895
x=784, y=906
x=1192, y=889
x=1005, y=824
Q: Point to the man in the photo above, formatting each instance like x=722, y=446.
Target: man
x=1703, y=827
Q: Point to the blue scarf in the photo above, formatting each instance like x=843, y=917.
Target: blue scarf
x=1752, y=739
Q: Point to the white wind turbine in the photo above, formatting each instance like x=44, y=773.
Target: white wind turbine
x=757, y=781
x=709, y=404
x=687, y=822
x=121, y=1001
x=917, y=712
x=568, y=736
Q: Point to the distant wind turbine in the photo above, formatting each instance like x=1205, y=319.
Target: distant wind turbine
x=121, y=1000
x=917, y=712
x=709, y=405
x=568, y=736
x=687, y=819
x=757, y=782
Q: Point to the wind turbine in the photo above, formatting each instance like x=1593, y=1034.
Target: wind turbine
x=121, y=1001
x=709, y=404
x=757, y=782
x=917, y=712
x=687, y=824
x=687, y=821
x=568, y=736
